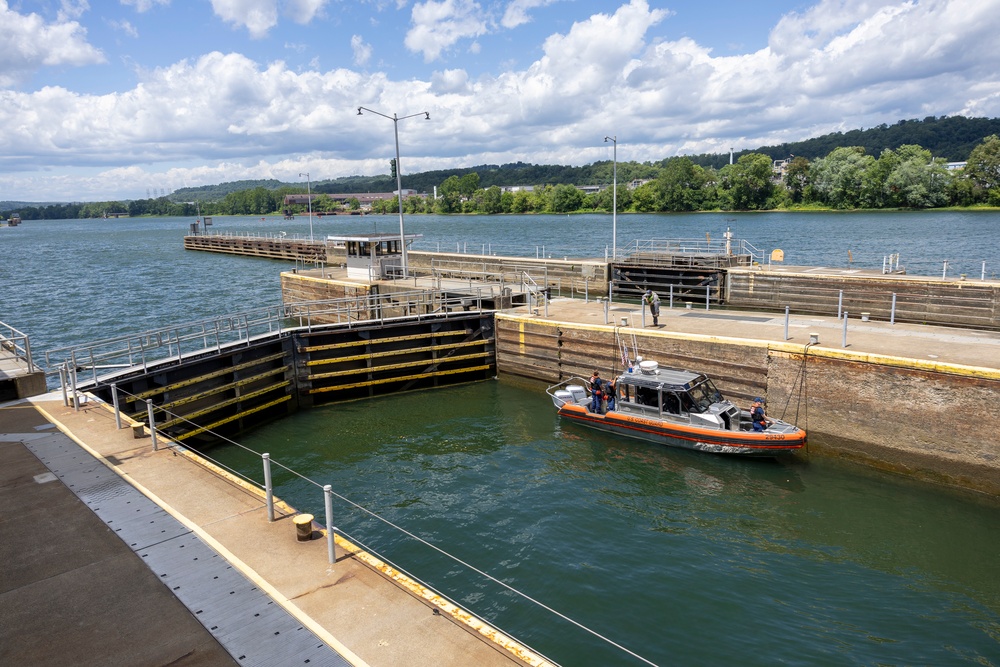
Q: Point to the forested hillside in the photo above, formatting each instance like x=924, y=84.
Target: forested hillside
x=899, y=166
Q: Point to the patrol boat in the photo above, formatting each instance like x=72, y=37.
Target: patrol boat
x=677, y=408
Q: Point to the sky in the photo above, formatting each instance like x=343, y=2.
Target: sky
x=127, y=99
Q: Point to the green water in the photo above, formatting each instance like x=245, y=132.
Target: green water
x=680, y=557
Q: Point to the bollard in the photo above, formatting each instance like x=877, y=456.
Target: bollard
x=840, y=304
x=303, y=527
x=624, y=321
x=844, y=344
x=786, y=322
x=892, y=314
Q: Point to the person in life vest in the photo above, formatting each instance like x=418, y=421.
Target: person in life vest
x=652, y=299
x=611, y=392
x=596, y=393
x=760, y=420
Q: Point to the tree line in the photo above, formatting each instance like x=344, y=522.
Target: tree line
x=848, y=177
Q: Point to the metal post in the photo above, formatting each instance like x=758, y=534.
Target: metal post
x=586, y=289
x=786, y=322
x=892, y=313
x=330, y=542
x=983, y=276
x=671, y=295
x=844, y=344
x=72, y=387
x=944, y=272
x=268, y=487
x=885, y=259
x=840, y=304
x=708, y=295
x=63, y=382
x=114, y=400
x=152, y=423
x=611, y=286
x=607, y=305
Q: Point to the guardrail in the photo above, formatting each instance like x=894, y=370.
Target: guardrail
x=328, y=496
x=18, y=344
x=107, y=358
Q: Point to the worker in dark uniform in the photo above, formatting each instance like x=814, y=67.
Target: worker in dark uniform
x=596, y=392
x=652, y=299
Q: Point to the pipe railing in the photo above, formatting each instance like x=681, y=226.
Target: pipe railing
x=17, y=343
x=267, y=488
x=105, y=359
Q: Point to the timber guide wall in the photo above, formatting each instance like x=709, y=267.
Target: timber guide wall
x=927, y=419
x=249, y=384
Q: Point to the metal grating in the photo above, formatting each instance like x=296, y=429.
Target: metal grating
x=246, y=622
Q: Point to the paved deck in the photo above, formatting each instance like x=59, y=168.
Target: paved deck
x=967, y=347
x=115, y=554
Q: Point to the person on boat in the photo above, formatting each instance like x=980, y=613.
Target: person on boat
x=652, y=299
x=596, y=393
x=611, y=392
x=760, y=420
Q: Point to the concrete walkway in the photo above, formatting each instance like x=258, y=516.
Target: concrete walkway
x=72, y=587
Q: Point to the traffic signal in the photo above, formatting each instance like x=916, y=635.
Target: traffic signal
x=392, y=167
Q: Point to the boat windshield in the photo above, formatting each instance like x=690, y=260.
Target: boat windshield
x=704, y=395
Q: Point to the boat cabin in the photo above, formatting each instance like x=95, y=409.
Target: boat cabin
x=373, y=256
x=675, y=394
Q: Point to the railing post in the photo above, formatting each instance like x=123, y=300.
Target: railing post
x=844, y=343
x=72, y=380
x=268, y=488
x=63, y=382
x=114, y=400
x=330, y=541
x=152, y=423
x=786, y=322
x=31, y=366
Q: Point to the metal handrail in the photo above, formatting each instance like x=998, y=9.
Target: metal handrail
x=18, y=343
x=106, y=358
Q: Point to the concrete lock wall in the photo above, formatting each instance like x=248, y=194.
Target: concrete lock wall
x=931, y=420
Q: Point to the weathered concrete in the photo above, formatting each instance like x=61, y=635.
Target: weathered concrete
x=909, y=398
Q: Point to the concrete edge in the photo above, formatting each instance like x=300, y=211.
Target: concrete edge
x=462, y=617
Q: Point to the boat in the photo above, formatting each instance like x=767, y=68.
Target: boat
x=676, y=408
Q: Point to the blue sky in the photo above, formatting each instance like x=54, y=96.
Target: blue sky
x=119, y=99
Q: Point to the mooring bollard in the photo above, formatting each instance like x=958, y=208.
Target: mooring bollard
x=268, y=488
x=303, y=527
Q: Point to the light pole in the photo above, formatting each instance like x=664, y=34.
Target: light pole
x=614, y=201
x=310, y=201
x=399, y=182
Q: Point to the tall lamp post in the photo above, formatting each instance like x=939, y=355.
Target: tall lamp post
x=614, y=200
x=310, y=201
x=399, y=182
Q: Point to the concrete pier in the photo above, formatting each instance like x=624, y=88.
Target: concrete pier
x=72, y=586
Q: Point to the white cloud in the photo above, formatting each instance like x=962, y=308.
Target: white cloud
x=837, y=65
x=125, y=27
x=143, y=6
x=257, y=16
x=439, y=25
x=362, y=51
x=516, y=12
x=30, y=43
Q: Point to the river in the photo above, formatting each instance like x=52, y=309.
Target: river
x=679, y=557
